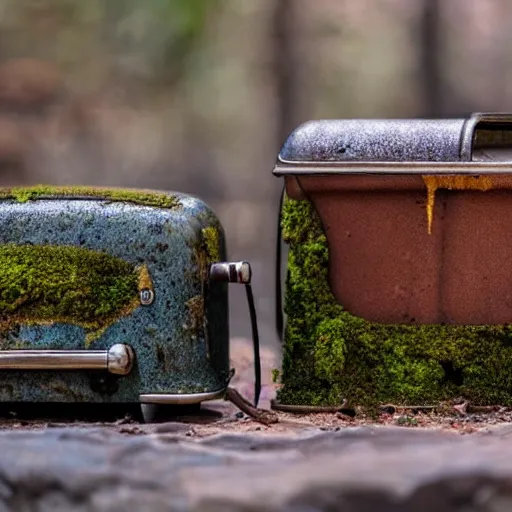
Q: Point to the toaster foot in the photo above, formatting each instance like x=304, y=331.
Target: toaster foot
x=157, y=413
x=157, y=405
x=181, y=398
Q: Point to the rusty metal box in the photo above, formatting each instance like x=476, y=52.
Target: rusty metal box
x=417, y=214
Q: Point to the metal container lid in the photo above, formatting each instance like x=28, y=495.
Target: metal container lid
x=375, y=140
x=400, y=146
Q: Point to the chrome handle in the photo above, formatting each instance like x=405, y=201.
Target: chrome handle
x=117, y=360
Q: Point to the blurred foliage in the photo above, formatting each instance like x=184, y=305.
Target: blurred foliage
x=185, y=95
x=146, y=41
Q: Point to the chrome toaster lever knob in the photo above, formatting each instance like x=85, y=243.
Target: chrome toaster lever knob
x=231, y=272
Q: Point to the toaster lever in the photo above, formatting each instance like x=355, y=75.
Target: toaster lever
x=231, y=272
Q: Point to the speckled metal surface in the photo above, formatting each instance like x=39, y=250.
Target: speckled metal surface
x=375, y=140
x=172, y=356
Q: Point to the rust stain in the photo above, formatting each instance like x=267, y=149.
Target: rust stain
x=162, y=357
x=95, y=334
x=196, y=309
x=433, y=183
x=145, y=281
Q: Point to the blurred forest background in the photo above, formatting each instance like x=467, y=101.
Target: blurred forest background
x=198, y=95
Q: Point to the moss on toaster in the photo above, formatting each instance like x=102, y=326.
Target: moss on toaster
x=212, y=240
x=140, y=197
x=44, y=284
x=205, y=249
x=331, y=355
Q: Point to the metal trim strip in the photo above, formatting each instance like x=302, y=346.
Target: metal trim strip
x=285, y=168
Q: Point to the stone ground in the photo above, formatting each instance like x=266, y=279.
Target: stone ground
x=218, y=459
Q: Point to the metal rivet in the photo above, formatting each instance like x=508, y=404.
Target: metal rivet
x=147, y=296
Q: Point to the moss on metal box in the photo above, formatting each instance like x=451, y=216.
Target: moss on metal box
x=44, y=284
x=331, y=355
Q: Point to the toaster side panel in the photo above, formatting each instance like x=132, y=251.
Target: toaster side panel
x=167, y=252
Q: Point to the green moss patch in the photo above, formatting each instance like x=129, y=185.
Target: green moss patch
x=65, y=284
x=211, y=239
x=141, y=197
x=331, y=355
x=205, y=251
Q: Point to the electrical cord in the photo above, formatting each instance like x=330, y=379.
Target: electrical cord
x=240, y=272
x=278, y=287
x=255, y=344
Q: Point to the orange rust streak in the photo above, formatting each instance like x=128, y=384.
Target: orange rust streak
x=145, y=281
x=433, y=183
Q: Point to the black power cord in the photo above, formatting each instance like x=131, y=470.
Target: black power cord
x=255, y=344
x=278, y=287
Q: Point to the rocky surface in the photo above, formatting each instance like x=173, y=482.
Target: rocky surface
x=175, y=469
x=218, y=459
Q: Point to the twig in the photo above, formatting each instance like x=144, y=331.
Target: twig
x=259, y=415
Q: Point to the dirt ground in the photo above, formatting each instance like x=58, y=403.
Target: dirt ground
x=221, y=417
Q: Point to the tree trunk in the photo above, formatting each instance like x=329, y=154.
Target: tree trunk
x=285, y=67
x=430, y=59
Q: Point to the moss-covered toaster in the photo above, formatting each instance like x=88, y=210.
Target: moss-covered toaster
x=112, y=296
